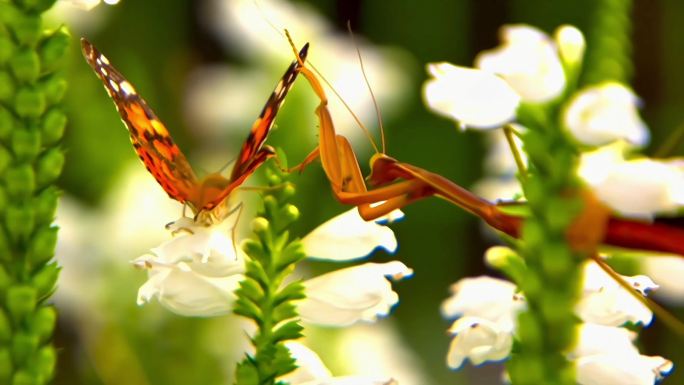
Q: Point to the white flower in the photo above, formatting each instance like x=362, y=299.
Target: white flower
x=526, y=67
x=637, y=188
x=194, y=273
x=358, y=293
x=594, y=339
x=472, y=97
x=484, y=297
x=668, y=271
x=528, y=60
x=605, y=302
x=311, y=371
x=615, y=369
x=488, y=308
x=347, y=237
x=603, y=113
x=478, y=340
x=87, y=4
x=606, y=355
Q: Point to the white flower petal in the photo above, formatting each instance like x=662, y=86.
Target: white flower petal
x=668, y=272
x=484, y=297
x=354, y=380
x=85, y=5
x=603, y=113
x=309, y=365
x=626, y=369
x=348, y=237
x=195, y=273
x=599, y=339
x=642, y=188
x=606, y=303
x=358, y=293
x=473, y=98
x=478, y=340
x=528, y=61
x=188, y=293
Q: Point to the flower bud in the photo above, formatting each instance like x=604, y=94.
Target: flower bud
x=49, y=166
x=290, y=213
x=5, y=159
x=23, y=346
x=6, y=123
x=27, y=28
x=37, y=5
x=6, y=87
x=20, y=181
x=23, y=376
x=53, y=126
x=19, y=222
x=43, y=322
x=6, y=49
x=26, y=143
x=53, y=48
x=6, y=367
x=42, y=246
x=45, y=205
x=571, y=45
x=54, y=88
x=5, y=328
x=21, y=301
x=260, y=225
x=46, y=360
x=25, y=65
x=44, y=281
x=29, y=103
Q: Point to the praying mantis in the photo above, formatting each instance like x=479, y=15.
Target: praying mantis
x=398, y=184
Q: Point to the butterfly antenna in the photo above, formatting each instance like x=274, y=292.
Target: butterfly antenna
x=370, y=89
x=668, y=319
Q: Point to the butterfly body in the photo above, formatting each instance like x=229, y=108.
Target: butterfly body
x=164, y=159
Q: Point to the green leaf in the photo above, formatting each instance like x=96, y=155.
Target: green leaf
x=293, y=291
x=288, y=331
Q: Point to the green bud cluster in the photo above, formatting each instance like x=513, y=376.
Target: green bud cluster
x=609, y=53
x=550, y=272
x=31, y=126
x=263, y=296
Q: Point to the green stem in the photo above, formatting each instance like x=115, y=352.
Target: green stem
x=31, y=127
x=609, y=48
x=552, y=280
x=262, y=296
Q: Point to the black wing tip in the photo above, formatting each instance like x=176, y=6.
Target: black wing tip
x=304, y=51
x=88, y=49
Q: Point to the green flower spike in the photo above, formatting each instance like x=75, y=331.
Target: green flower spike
x=31, y=126
x=262, y=296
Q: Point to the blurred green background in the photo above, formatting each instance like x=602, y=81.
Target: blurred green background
x=104, y=338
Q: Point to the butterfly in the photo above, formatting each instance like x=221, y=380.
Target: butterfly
x=164, y=159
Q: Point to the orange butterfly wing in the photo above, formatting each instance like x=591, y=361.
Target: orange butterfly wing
x=161, y=155
x=264, y=122
x=151, y=139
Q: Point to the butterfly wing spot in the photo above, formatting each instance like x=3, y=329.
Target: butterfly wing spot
x=127, y=88
x=113, y=84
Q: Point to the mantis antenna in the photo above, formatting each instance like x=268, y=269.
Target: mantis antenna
x=370, y=89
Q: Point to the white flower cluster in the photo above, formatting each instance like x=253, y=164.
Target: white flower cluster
x=532, y=68
x=486, y=309
x=196, y=272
